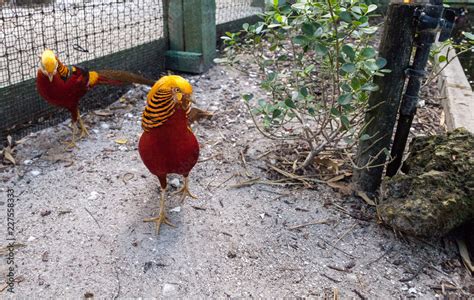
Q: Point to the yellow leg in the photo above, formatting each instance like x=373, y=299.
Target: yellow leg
x=184, y=191
x=72, y=143
x=161, y=218
x=84, y=131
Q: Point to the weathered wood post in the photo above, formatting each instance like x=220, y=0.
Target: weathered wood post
x=191, y=29
x=396, y=47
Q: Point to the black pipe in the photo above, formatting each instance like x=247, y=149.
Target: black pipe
x=429, y=22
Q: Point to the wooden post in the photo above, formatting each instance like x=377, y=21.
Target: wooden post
x=396, y=47
x=192, y=35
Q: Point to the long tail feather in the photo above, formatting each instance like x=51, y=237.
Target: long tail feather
x=116, y=77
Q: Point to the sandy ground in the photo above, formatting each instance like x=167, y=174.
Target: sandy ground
x=79, y=218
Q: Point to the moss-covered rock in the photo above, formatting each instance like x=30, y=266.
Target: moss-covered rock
x=436, y=193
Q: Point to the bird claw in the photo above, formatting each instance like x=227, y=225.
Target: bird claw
x=84, y=131
x=184, y=191
x=71, y=145
x=162, y=218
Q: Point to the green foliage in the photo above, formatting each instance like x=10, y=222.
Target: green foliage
x=316, y=61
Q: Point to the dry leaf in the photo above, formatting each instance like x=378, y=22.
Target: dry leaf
x=344, y=189
x=8, y=155
x=9, y=139
x=366, y=198
x=442, y=119
x=337, y=178
x=466, y=259
x=103, y=113
x=328, y=163
x=121, y=141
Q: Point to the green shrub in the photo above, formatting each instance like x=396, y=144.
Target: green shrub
x=316, y=60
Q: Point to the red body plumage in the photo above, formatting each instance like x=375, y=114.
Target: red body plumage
x=169, y=148
x=64, y=93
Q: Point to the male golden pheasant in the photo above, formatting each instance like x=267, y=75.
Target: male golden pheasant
x=167, y=144
x=65, y=86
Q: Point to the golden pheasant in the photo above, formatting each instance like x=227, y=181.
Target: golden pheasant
x=64, y=86
x=167, y=144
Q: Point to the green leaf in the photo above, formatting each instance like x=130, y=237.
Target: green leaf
x=371, y=8
x=319, y=32
x=348, y=68
x=344, y=99
x=320, y=49
x=371, y=65
x=357, y=10
x=335, y=112
x=276, y=113
x=370, y=87
x=311, y=111
x=349, y=51
x=289, y=103
x=247, y=97
x=299, y=5
x=355, y=83
x=271, y=76
x=346, y=88
x=368, y=52
x=308, y=29
x=300, y=40
x=309, y=68
x=469, y=35
x=381, y=62
x=364, y=137
x=345, y=16
x=345, y=122
x=442, y=58
x=245, y=26
x=304, y=92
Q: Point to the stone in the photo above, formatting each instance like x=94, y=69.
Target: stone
x=436, y=193
x=169, y=289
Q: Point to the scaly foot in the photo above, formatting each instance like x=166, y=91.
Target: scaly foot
x=162, y=218
x=72, y=143
x=84, y=131
x=184, y=191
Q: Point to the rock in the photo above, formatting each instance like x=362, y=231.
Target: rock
x=174, y=182
x=104, y=126
x=94, y=195
x=436, y=193
x=35, y=172
x=45, y=213
x=169, y=289
x=28, y=162
x=176, y=209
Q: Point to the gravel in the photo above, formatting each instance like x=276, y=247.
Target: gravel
x=230, y=242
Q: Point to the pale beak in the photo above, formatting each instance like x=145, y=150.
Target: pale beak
x=50, y=77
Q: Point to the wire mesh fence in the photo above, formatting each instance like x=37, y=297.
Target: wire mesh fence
x=99, y=34
x=230, y=10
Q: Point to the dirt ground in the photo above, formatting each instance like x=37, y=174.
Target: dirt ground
x=79, y=219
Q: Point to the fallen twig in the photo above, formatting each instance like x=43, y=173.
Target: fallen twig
x=344, y=234
x=92, y=216
x=330, y=278
x=309, y=224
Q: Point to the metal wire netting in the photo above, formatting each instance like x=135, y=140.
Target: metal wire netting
x=230, y=10
x=99, y=34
